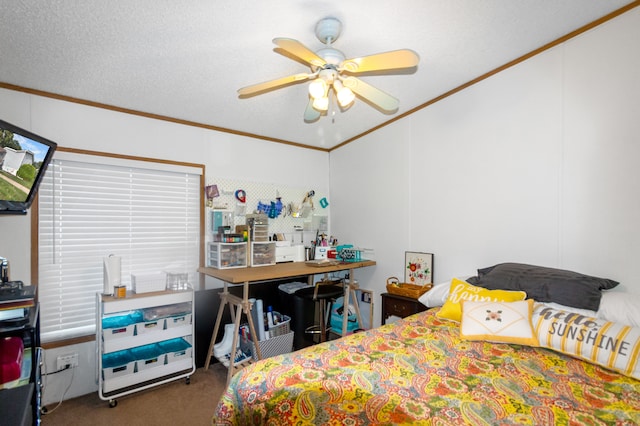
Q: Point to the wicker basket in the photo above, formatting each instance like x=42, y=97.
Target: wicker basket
x=394, y=286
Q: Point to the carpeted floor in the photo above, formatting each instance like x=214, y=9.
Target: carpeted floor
x=174, y=403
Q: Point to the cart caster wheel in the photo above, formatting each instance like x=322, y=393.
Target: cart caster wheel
x=188, y=380
x=113, y=403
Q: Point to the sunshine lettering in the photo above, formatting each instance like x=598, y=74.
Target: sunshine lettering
x=583, y=329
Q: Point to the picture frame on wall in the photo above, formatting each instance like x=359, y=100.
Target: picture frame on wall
x=418, y=268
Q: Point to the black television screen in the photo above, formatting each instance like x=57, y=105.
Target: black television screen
x=24, y=158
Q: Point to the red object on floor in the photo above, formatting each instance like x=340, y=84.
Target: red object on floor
x=11, y=352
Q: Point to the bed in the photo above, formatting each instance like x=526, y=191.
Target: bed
x=422, y=370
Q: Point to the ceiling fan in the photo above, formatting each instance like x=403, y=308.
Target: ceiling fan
x=330, y=69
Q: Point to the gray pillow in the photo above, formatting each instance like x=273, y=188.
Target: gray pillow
x=545, y=284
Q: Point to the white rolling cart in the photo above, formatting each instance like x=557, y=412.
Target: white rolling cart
x=143, y=340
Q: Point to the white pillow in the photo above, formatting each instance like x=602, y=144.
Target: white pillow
x=585, y=312
x=610, y=344
x=620, y=306
x=438, y=294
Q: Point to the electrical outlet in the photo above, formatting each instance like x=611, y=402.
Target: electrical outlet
x=63, y=360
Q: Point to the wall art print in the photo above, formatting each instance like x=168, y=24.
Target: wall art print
x=418, y=268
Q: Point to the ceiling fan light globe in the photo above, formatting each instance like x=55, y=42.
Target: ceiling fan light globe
x=317, y=88
x=345, y=97
x=321, y=104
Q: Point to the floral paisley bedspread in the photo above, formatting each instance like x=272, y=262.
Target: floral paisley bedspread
x=418, y=371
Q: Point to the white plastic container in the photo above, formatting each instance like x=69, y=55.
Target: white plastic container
x=155, y=326
x=148, y=282
x=116, y=333
x=178, y=321
x=148, y=356
x=117, y=364
x=176, y=349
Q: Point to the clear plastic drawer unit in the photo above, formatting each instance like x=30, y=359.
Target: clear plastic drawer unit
x=263, y=253
x=227, y=255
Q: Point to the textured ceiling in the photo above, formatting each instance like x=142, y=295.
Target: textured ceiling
x=185, y=59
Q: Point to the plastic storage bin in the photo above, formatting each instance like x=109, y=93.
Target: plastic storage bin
x=274, y=346
x=118, y=326
x=281, y=328
x=150, y=326
x=227, y=255
x=178, y=320
x=150, y=314
x=148, y=356
x=116, y=364
x=11, y=354
x=263, y=253
x=148, y=282
x=176, y=349
x=178, y=281
x=259, y=225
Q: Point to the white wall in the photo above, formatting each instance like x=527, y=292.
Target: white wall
x=79, y=126
x=537, y=164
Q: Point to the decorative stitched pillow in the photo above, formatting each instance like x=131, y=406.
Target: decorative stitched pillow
x=461, y=290
x=611, y=345
x=507, y=322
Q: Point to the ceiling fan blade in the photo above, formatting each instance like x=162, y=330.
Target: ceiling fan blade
x=273, y=84
x=300, y=51
x=372, y=94
x=396, y=59
x=310, y=113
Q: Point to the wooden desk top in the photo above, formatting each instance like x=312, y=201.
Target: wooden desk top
x=280, y=270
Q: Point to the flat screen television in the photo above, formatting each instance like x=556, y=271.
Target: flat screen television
x=24, y=158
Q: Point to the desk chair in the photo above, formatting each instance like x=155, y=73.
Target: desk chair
x=323, y=294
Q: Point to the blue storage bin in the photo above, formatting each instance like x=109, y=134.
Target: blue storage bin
x=174, y=345
x=118, y=321
x=116, y=364
x=176, y=349
x=148, y=356
x=337, y=315
x=136, y=316
x=120, y=325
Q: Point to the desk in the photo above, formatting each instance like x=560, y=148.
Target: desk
x=245, y=276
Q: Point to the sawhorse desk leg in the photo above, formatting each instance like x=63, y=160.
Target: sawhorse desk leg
x=242, y=305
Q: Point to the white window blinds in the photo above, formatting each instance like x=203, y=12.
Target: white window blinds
x=91, y=206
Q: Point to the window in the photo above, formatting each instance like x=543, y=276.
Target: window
x=91, y=206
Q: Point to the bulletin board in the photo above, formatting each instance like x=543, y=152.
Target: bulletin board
x=299, y=216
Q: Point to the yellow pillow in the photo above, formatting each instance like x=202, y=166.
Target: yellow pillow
x=462, y=290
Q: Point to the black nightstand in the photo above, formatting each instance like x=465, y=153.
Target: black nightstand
x=400, y=306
